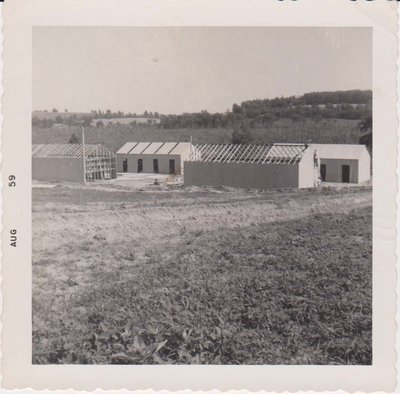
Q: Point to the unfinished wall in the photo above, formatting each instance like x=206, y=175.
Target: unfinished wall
x=244, y=175
x=57, y=169
x=334, y=169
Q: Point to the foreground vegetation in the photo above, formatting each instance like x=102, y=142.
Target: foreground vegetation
x=202, y=277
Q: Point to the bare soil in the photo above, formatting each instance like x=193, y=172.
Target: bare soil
x=135, y=273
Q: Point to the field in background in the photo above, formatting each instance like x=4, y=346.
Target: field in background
x=282, y=130
x=164, y=274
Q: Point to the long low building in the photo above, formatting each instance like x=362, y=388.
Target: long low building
x=277, y=166
x=154, y=157
x=72, y=162
x=253, y=166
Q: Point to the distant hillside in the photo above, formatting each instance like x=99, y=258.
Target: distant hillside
x=53, y=115
x=337, y=97
x=99, y=122
x=283, y=130
x=353, y=104
x=324, y=117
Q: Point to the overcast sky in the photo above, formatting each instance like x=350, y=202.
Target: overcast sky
x=175, y=70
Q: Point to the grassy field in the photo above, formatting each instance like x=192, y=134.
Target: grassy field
x=167, y=275
x=283, y=130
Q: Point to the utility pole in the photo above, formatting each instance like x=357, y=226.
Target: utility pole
x=84, y=154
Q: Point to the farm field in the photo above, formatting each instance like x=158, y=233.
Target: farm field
x=282, y=130
x=132, y=273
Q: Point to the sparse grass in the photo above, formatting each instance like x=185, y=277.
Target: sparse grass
x=198, y=285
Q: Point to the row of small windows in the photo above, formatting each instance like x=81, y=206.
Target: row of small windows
x=155, y=165
x=345, y=169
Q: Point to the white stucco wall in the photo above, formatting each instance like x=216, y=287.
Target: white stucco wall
x=334, y=169
x=307, y=172
x=364, y=167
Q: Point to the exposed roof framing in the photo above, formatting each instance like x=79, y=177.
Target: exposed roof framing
x=69, y=151
x=240, y=153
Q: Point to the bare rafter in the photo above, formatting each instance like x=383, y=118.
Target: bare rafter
x=69, y=150
x=242, y=153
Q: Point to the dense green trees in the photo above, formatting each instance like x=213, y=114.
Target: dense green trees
x=74, y=139
x=353, y=104
x=317, y=106
x=241, y=135
x=366, y=130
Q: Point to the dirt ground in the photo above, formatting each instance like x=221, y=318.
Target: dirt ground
x=88, y=238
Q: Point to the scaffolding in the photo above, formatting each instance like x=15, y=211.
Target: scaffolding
x=100, y=164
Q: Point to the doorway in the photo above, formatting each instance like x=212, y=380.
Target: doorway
x=155, y=166
x=140, y=165
x=345, y=173
x=323, y=172
x=125, y=165
x=172, y=166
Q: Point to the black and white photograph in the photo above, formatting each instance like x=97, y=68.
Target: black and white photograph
x=202, y=195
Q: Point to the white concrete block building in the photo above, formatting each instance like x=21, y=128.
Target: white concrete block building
x=154, y=157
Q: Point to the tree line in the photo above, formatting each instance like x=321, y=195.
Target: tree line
x=251, y=114
x=353, y=104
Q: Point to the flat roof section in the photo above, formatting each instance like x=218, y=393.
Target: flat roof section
x=167, y=148
x=339, y=151
x=152, y=148
x=182, y=147
x=127, y=147
x=139, y=148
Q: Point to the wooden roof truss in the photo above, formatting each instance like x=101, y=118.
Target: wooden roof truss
x=242, y=153
x=72, y=151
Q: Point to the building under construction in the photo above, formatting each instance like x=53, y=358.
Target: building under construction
x=72, y=162
x=253, y=166
x=277, y=165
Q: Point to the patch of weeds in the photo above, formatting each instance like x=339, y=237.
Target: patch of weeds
x=297, y=292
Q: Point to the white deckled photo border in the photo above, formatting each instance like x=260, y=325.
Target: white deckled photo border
x=20, y=16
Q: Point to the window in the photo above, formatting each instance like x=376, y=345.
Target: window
x=323, y=172
x=155, y=165
x=172, y=166
x=345, y=173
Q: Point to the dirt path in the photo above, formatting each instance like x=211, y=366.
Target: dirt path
x=162, y=219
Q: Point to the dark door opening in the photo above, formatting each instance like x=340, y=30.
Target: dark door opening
x=125, y=165
x=172, y=166
x=323, y=172
x=155, y=165
x=140, y=165
x=345, y=173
